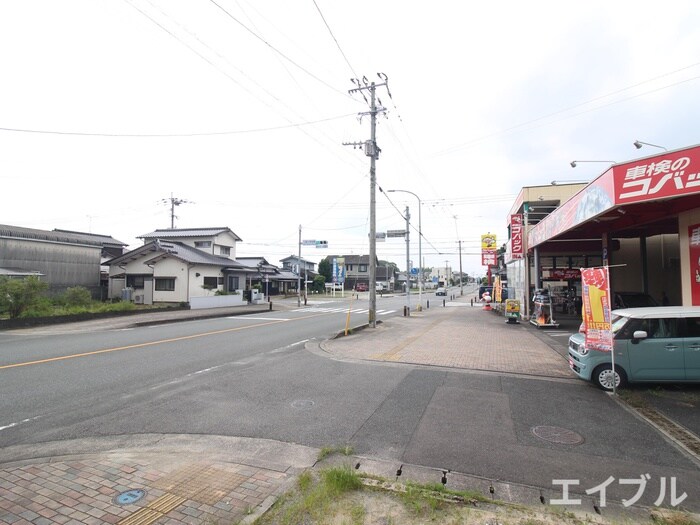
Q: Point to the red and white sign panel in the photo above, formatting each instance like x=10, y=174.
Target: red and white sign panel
x=563, y=274
x=660, y=177
x=516, y=236
x=488, y=258
x=694, y=238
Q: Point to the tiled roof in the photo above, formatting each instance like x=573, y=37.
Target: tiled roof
x=104, y=239
x=175, y=233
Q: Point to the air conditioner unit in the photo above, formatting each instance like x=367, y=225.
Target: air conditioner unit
x=138, y=298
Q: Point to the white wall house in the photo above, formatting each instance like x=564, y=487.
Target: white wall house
x=182, y=270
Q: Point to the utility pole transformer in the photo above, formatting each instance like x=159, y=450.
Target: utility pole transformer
x=372, y=151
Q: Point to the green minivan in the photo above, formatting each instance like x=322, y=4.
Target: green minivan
x=655, y=344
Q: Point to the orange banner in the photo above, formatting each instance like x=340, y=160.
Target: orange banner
x=596, y=308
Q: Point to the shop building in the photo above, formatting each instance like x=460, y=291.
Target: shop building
x=641, y=218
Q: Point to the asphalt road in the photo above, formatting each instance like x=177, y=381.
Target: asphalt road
x=254, y=377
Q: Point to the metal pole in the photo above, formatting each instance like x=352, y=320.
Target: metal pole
x=299, y=271
x=420, y=249
x=526, y=265
x=408, y=263
x=461, y=283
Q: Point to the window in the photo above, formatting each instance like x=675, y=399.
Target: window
x=363, y=268
x=210, y=282
x=692, y=325
x=349, y=267
x=224, y=250
x=202, y=244
x=165, y=284
x=232, y=283
x=134, y=281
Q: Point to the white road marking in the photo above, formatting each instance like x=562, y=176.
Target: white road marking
x=19, y=422
x=245, y=317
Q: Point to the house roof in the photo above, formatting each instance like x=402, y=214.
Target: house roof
x=105, y=240
x=56, y=236
x=175, y=233
x=296, y=258
x=18, y=272
x=164, y=249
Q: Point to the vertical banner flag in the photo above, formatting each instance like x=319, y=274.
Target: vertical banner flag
x=694, y=238
x=596, y=308
x=497, y=290
x=488, y=250
x=516, y=236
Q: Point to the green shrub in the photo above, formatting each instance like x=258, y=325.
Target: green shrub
x=19, y=295
x=76, y=296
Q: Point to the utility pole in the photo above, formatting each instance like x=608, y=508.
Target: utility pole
x=174, y=201
x=299, y=271
x=372, y=151
x=461, y=282
x=408, y=264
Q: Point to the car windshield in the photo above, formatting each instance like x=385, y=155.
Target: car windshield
x=617, y=322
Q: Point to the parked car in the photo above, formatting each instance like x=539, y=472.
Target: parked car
x=441, y=291
x=653, y=344
x=633, y=300
x=361, y=287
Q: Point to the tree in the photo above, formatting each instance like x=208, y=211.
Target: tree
x=17, y=295
x=319, y=284
x=325, y=268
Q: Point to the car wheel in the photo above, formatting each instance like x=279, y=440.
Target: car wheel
x=603, y=377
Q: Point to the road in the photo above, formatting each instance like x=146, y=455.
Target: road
x=254, y=376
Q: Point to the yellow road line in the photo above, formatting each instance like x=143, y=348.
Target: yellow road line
x=153, y=343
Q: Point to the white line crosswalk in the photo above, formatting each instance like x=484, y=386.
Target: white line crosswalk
x=342, y=310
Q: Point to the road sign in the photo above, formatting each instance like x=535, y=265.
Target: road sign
x=396, y=233
x=414, y=271
x=308, y=243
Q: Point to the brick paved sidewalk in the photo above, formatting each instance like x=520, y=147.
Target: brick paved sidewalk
x=458, y=336
x=132, y=487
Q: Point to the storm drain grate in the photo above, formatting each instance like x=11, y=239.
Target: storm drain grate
x=558, y=435
x=129, y=497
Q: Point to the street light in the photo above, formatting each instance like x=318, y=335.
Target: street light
x=575, y=162
x=638, y=144
x=420, y=251
x=578, y=181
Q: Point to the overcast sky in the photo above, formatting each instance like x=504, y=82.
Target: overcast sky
x=239, y=107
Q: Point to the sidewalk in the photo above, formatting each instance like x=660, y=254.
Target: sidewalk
x=141, y=480
x=457, y=336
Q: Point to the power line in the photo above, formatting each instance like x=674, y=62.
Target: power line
x=175, y=135
x=278, y=51
x=464, y=145
x=335, y=39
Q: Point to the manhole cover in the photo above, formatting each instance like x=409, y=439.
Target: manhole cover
x=303, y=403
x=561, y=436
x=130, y=496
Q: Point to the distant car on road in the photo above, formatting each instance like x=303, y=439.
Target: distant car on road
x=361, y=287
x=441, y=291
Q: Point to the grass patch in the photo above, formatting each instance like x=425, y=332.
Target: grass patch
x=341, y=496
x=316, y=498
x=345, y=450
